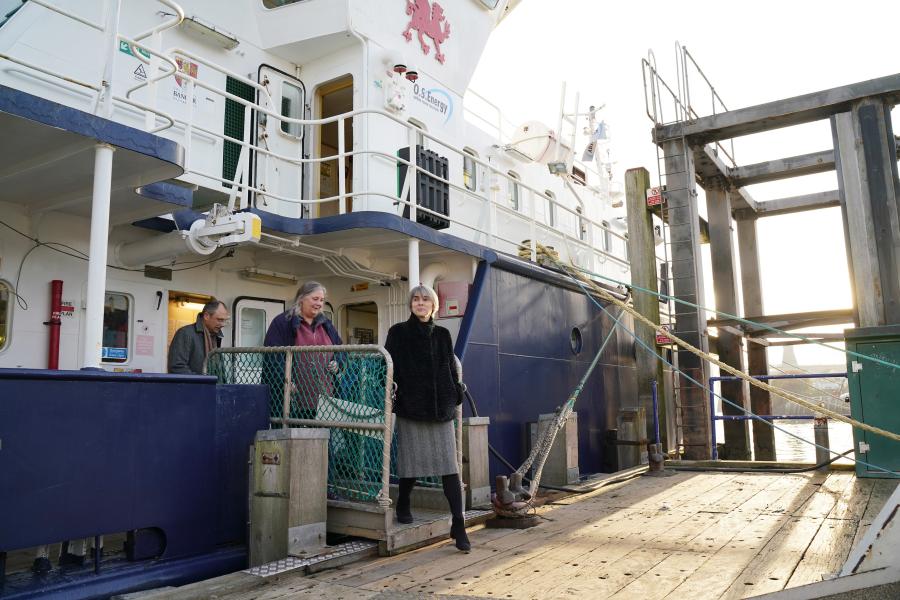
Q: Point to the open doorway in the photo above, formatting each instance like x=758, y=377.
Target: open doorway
x=184, y=307
x=334, y=98
x=360, y=323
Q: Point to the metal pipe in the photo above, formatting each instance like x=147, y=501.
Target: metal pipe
x=655, y=395
x=341, y=170
x=96, y=284
x=97, y=549
x=784, y=376
x=712, y=412
x=714, y=417
x=54, y=323
x=288, y=383
x=384, y=497
x=766, y=417
x=820, y=437
x=413, y=271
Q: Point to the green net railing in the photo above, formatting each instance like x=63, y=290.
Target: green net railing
x=346, y=389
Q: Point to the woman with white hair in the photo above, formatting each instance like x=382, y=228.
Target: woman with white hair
x=304, y=324
x=425, y=405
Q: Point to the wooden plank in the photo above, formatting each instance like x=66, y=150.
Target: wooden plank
x=881, y=491
x=322, y=591
x=795, y=497
x=826, y=553
x=771, y=569
x=219, y=587
x=825, y=498
x=730, y=548
x=852, y=503
x=659, y=581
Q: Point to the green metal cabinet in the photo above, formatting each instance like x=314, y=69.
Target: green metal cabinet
x=875, y=397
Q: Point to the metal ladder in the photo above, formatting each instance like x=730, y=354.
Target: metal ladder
x=679, y=383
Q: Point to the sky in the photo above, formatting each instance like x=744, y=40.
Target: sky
x=752, y=53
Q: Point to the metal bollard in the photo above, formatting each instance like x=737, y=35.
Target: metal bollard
x=820, y=436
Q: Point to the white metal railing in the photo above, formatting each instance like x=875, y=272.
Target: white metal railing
x=659, y=96
x=163, y=65
x=109, y=28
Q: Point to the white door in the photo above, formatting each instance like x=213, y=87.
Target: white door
x=279, y=173
x=252, y=317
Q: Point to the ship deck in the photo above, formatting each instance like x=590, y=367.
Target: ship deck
x=700, y=535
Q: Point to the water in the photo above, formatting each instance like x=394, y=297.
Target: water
x=787, y=448
x=790, y=449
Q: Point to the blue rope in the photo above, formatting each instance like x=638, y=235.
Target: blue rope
x=711, y=391
x=798, y=336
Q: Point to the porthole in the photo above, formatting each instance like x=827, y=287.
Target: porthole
x=575, y=341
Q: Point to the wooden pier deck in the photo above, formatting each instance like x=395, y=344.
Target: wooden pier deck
x=692, y=535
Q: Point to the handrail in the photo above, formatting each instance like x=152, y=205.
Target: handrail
x=341, y=118
x=713, y=417
x=287, y=387
x=264, y=105
x=178, y=18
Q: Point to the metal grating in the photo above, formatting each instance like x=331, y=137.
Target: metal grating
x=291, y=563
x=234, y=125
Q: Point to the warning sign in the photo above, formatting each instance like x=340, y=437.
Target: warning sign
x=661, y=338
x=655, y=196
x=67, y=309
x=140, y=73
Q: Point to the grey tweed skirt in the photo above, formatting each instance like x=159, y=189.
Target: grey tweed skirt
x=425, y=448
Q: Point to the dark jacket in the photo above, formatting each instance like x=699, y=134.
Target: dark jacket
x=424, y=371
x=283, y=330
x=188, y=349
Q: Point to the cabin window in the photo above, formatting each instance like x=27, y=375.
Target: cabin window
x=579, y=176
x=551, y=208
x=116, y=324
x=491, y=4
x=5, y=314
x=607, y=237
x=291, y=107
x=515, y=190
x=582, y=226
x=470, y=169
x=278, y=3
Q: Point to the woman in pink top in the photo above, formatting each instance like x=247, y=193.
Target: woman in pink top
x=304, y=324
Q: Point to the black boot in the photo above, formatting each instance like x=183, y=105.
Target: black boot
x=458, y=533
x=404, y=514
x=453, y=492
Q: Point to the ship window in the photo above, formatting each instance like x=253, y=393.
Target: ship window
x=470, y=169
x=5, y=315
x=578, y=175
x=607, y=237
x=582, y=226
x=291, y=107
x=491, y=4
x=116, y=321
x=576, y=342
x=278, y=3
x=515, y=190
x=551, y=208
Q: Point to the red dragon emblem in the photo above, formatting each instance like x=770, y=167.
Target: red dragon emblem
x=426, y=19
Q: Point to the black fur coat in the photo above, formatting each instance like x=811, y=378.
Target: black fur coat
x=424, y=370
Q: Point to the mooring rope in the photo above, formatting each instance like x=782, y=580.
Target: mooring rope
x=541, y=450
x=737, y=318
x=602, y=293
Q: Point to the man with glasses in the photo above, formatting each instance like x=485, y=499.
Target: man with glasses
x=192, y=343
